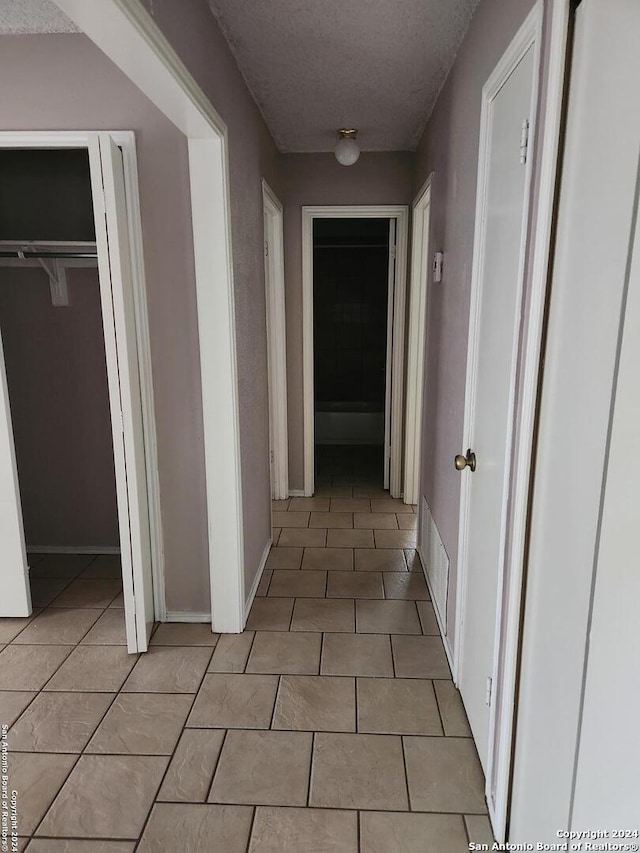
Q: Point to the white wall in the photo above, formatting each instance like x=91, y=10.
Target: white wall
x=597, y=200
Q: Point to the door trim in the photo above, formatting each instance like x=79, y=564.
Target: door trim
x=126, y=141
x=500, y=755
x=528, y=36
x=416, y=346
x=276, y=342
x=401, y=214
x=126, y=32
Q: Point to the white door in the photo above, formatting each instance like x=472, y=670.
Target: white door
x=15, y=599
x=607, y=772
x=118, y=313
x=389, y=364
x=493, y=353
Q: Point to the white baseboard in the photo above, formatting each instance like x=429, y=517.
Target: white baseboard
x=296, y=493
x=186, y=616
x=73, y=549
x=257, y=579
x=441, y=627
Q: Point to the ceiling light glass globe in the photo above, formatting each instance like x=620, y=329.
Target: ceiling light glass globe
x=347, y=152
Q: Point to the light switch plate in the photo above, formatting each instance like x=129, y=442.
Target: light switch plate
x=438, y=259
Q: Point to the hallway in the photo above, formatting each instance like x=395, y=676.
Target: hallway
x=333, y=713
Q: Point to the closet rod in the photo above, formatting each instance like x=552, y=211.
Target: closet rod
x=25, y=256
x=351, y=246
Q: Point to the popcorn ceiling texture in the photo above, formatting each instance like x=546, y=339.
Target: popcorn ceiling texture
x=33, y=16
x=315, y=67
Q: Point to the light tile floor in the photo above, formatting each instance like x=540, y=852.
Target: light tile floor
x=331, y=725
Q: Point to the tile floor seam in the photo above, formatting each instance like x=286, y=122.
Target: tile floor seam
x=246, y=663
x=466, y=829
x=79, y=756
x=406, y=774
x=215, y=769
x=252, y=824
x=310, y=774
x=435, y=693
x=175, y=747
x=275, y=704
x=319, y=672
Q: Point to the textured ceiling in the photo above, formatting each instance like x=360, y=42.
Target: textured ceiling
x=316, y=65
x=33, y=16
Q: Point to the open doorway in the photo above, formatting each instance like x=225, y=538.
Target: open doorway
x=352, y=341
x=76, y=523
x=354, y=268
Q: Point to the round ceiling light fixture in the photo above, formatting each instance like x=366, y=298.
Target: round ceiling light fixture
x=347, y=151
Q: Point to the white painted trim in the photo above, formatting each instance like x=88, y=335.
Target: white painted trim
x=276, y=342
x=500, y=755
x=529, y=34
x=388, y=372
x=73, y=549
x=296, y=493
x=441, y=626
x=126, y=141
x=129, y=36
x=401, y=214
x=418, y=313
x=218, y=367
x=256, y=581
x=188, y=616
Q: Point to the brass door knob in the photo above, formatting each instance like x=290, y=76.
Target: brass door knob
x=468, y=461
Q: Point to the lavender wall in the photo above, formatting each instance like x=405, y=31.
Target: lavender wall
x=196, y=37
x=449, y=149
x=317, y=179
x=57, y=378
x=65, y=82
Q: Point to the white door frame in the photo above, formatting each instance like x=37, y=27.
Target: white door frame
x=129, y=36
x=418, y=314
x=527, y=36
x=401, y=214
x=529, y=341
x=108, y=287
x=276, y=342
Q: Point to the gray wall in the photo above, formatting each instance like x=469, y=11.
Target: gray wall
x=449, y=148
x=111, y=101
x=196, y=37
x=318, y=179
x=57, y=378
x=65, y=82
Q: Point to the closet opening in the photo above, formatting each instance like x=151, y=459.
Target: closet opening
x=75, y=522
x=56, y=373
x=352, y=321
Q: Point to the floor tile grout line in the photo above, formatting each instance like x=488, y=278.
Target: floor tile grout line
x=175, y=746
x=275, y=703
x=217, y=764
x=228, y=728
x=250, y=835
x=435, y=694
x=461, y=814
x=311, y=763
x=251, y=645
x=321, y=653
x=406, y=773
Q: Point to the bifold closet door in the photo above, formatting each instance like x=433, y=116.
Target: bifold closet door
x=118, y=312
x=15, y=593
